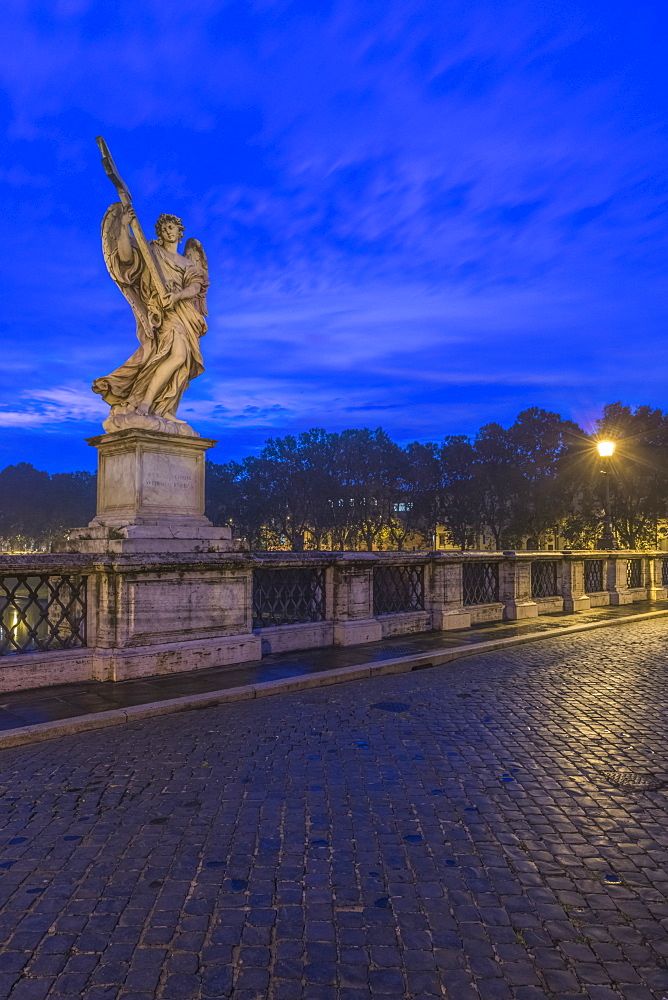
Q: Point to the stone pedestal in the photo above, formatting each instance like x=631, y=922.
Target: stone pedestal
x=150, y=496
x=656, y=590
x=445, y=596
x=166, y=614
x=353, y=604
x=573, y=590
x=515, y=588
x=616, y=569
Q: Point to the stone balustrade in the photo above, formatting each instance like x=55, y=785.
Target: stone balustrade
x=74, y=617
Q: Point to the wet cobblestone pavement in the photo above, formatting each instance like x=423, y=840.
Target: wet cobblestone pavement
x=468, y=832
x=67, y=701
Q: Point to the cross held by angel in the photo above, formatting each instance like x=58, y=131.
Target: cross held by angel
x=167, y=293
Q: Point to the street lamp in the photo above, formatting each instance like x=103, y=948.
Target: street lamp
x=607, y=539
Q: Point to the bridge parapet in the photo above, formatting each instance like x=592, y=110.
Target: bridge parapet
x=73, y=617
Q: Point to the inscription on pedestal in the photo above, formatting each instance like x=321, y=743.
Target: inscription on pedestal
x=169, y=481
x=150, y=475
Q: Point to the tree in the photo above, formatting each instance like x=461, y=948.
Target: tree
x=497, y=483
x=638, y=471
x=459, y=500
x=72, y=501
x=544, y=447
x=242, y=494
x=301, y=472
x=24, y=507
x=36, y=507
x=370, y=469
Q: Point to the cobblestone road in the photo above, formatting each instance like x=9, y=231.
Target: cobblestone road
x=452, y=832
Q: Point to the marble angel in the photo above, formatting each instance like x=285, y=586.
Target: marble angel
x=167, y=293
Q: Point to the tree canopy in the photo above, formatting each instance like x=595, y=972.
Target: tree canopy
x=36, y=507
x=359, y=489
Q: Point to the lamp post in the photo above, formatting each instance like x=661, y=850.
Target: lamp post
x=607, y=539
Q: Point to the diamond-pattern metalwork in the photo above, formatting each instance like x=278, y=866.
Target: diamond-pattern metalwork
x=288, y=596
x=634, y=573
x=664, y=572
x=593, y=576
x=543, y=578
x=39, y=612
x=480, y=582
x=397, y=588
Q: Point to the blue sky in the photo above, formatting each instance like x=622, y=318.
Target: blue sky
x=420, y=215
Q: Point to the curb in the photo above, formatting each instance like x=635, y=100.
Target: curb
x=187, y=703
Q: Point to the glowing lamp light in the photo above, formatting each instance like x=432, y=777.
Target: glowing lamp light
x=605, y=448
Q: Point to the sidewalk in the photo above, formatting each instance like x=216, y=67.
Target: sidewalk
x=42, y=713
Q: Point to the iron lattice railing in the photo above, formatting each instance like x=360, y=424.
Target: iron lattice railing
x=664, y=572
x=634, y=573
x=288, y=596
x=593, y=576
x=42, y=612
x=543, y=578
x=397, y=589
x=480, y=582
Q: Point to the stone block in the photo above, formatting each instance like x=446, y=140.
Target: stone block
x=175, y=657
x=623, y=596
x=404, y=622
x=349, y=633
x=138, y=604
x=150, y=496
x=580, y=603
x=148, y=477
x=283, y=638
x=450, y=618
x=518, y=610
x=515, y=588
x=485, y=613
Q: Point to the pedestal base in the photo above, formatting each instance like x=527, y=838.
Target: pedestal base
x=517, y=610
x=150, y=496
x=357, y=631
x=618, y=597
x=450, y=618
x=177, y=657
x=574, y=604
x=147, y=422
x=146, y=538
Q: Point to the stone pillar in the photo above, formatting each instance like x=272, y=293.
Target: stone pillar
x=615, y=571
x=158, y=615
x=656, y=591
x=150, y=496
x=353, y=602
x=515, y=588
x=444, y=595
x=572, y=584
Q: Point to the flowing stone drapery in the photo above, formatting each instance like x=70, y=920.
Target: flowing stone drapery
x=165, y=331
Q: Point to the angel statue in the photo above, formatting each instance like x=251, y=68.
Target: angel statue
x=167, y=293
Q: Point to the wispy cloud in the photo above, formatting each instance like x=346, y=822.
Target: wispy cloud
x=48, y=408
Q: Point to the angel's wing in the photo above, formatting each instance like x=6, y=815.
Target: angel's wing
x=111, y=227
x=194, y=251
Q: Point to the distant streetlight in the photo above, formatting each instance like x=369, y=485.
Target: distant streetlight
x=607, y=540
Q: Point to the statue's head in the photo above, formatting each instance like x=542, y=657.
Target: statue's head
x=169, y=226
